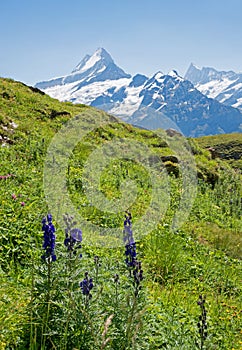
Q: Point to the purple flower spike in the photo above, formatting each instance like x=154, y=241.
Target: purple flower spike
x=76, y=234
x=128, y=234
x=73, y=235
x=49, y=239
x=86, y=285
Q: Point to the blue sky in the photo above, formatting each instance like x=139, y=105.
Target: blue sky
x=41, y=39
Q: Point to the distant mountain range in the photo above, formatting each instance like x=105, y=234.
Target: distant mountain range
x=225, y=87
x=205, y=102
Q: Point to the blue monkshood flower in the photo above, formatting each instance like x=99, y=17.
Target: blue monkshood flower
x=138, y=276
x=86, y=285
x=49, y=239
x=127, y=231
x=130, y=245
x=130, y=253
x=73, y=235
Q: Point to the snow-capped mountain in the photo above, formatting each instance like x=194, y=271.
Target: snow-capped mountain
x=190, y=110
x=94, y=79
x=99, y=82
x=96, y=68
x=225, y=87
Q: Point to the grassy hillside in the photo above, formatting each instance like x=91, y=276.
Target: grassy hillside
x=225, y=146
x=196, y=266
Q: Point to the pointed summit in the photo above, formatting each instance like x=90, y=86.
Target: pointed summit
x=98, y=67
x=173, y=73
x=90, y=61
x=193, y=73
x=103, y=54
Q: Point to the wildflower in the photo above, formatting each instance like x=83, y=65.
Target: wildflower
x=4, y=177
x=128, y=234
x=130, y=252
x=131, y=255
x=73, y=235
x=14, y=196
x=138, y=276
x=86, y=285
x=49, y=239
x=130, y=245
x=202, y=324
x=22, y=204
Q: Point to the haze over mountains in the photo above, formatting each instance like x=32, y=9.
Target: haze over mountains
x=205, y=102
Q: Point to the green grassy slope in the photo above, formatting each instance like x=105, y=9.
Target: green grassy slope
x=226, y=146
x=202, y=257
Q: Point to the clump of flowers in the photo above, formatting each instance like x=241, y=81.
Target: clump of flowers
x=202, y=323
x=14, y=197
x=86, y=285
x=73, y=235
x=4, y=177
x=49, y=239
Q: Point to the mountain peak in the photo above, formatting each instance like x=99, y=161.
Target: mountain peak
x=98, y=67
x=193, y=66
x=102, y=53
x=195, y=74
x=158, y=75
x=173, y=73
x=89, y=61
x=206, y=74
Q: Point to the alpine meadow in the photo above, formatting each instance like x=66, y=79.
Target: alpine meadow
x=144, y=282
